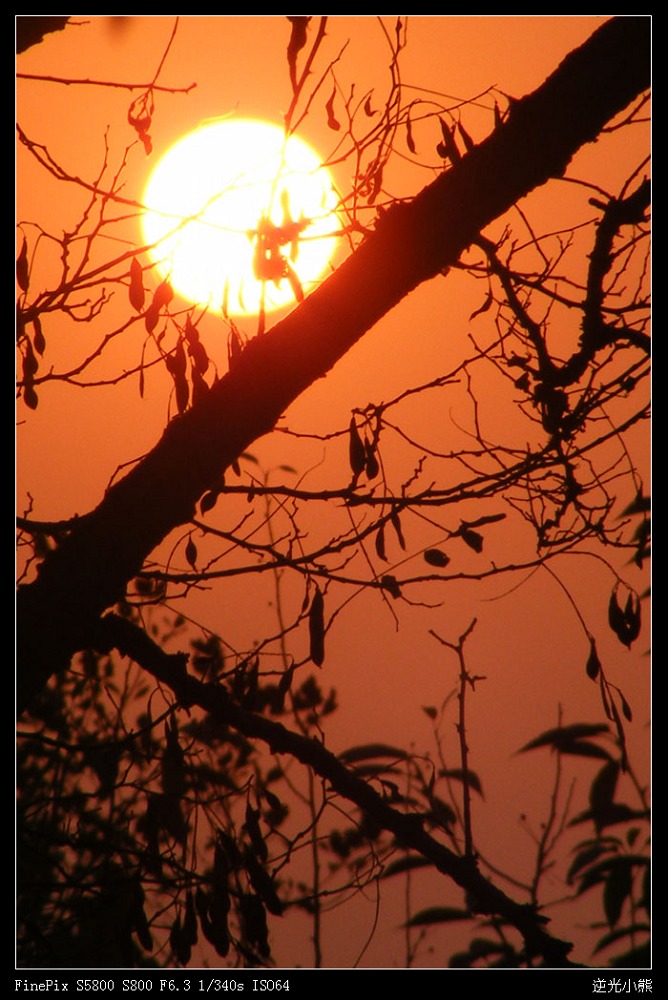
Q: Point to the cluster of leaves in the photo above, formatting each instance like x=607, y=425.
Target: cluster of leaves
x=614, y=858
x=116, y=865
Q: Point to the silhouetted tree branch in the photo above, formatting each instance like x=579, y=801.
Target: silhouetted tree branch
x=32, y=28
x=58, y=613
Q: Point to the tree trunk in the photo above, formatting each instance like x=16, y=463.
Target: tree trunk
x=57, y=615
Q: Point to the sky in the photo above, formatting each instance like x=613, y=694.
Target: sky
x=384, y=663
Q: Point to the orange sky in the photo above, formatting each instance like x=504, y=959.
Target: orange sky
x=528, y=642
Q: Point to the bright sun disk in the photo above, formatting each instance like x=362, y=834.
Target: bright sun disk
x=233, y=203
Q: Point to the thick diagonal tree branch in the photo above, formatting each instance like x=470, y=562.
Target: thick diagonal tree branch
x=88, y=573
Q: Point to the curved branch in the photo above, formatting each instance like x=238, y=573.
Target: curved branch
x=485, y=897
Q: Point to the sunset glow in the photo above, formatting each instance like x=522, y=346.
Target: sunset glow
x=333, y=499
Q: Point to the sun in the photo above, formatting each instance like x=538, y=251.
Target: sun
x=240, y=218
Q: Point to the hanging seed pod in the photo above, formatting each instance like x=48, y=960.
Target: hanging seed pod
x=190, y=920
x=255, y=833
x=316, y=627
x=593, y=662
x=263, y=884
x=22, y=272
x=372, y=468
x=356, y=449
x=136, y=291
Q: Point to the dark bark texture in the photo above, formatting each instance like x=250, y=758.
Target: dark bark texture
x=59, y=613
x=32, y=28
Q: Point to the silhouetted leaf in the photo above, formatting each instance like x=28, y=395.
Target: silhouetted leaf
x=484, y=307
x=162, y=296
x=173, y=770
x=191, y=552
x=139, y=116
x=180, y=942
x=564, y=736
x=176, y=365
x=208, y=501
x=618, y=935
x=483, y=948
x=582, y=748
x=380, y=543
x=371, y=467
x=448, y=148
x=22, y=275
x=38, y=339
x=632, y=618
x=603, y=787
x=356, y=449
x=252, y=825
x=626, y=708
x=151, y=318
x=30, y=397
x=396, y=524
x=406, y=864
x=254, y=921
x=472, y=538
x=584, y=858
x=136, y=291
x=316, y=623
x=196, y=350
x=593, y=662
x=331, y=117
x=442, y=812
x=617, y=889
x=409, y=134
x=618, y=812
x=297, y=42
x=190, y=920
x=143, y=932
x=436, y=558
x=372, y=751
x=390, y=583
x=646, y=891
x=263, y=884
x=200, y=388
x=457, y=774
x=639, y=505
x=30, y=363
x=617, y=619
x=437, y=915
